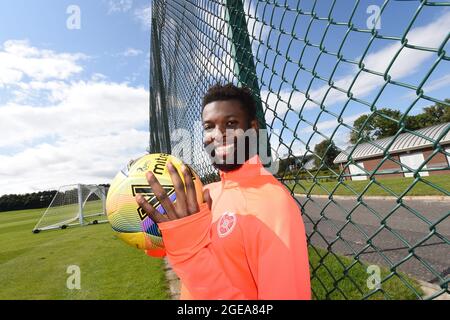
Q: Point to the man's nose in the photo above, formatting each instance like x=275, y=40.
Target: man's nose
x=218, y=135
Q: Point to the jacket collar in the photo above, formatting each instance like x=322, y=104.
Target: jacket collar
x=251, y=168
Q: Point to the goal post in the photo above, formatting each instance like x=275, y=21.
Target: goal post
x=74, y=205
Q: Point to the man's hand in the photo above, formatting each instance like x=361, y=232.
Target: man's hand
x=186, y=203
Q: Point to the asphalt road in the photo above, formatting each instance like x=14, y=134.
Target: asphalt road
x=403, y=229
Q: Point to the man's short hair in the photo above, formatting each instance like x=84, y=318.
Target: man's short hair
x=229, y=91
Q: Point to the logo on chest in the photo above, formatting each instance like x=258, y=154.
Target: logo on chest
x=226, y=224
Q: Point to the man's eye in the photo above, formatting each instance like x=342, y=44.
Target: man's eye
x=231, y=123
x=207, y=127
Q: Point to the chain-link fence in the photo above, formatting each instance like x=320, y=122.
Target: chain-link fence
x=340, y=87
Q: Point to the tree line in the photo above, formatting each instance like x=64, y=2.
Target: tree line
x=35, y=200
x=383, y=123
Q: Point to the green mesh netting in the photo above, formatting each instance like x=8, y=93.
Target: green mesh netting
x=314, y=68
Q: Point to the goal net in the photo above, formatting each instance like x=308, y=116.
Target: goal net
x=74, y=205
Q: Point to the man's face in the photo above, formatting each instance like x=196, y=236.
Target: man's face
x=225, y=124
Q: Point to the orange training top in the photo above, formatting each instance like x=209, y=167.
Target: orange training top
x=250, y=245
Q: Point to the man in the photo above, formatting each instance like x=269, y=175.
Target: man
x=247, y=240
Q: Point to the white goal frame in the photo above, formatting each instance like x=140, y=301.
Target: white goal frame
x=79, y=217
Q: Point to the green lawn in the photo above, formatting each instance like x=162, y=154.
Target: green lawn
x=329, y=283
x=34, y=266
x=396, y=185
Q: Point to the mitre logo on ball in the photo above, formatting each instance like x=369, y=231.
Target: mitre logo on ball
x=127, y=219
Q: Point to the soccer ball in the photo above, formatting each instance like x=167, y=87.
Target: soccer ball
x=127, y=219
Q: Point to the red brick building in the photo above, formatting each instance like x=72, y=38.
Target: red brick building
x=407, y=150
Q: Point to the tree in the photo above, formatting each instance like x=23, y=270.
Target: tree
x=377, y=127
x=34, y=200
x=436, y=114
x=326, y=150
x=284, y=164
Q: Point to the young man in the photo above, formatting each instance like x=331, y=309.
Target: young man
x=247, y=241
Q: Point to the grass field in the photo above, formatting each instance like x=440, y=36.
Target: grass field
x=59, y=213
x=328, y=282
x=396, y=185
x=34, y=266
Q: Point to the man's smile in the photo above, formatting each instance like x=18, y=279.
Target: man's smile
x=224, y=150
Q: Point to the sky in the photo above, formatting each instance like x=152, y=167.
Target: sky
x=283, y=86
x=410, y=67
x=73, y=91
x=74, y=80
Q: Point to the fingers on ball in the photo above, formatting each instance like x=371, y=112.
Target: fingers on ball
x=149, y=210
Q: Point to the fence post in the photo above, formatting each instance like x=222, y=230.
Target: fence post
x=244, y=65
x=159, y=130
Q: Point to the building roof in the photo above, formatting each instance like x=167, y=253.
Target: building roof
x=405, y=141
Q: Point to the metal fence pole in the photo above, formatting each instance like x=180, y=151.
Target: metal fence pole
x=244, y=65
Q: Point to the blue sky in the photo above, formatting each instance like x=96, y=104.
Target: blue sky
x=430, y=30
x=74, y=102
x=108, y=30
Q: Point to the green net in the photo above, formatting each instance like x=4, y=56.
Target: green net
x=340, y=87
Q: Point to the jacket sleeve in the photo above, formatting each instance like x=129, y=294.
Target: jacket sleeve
x=188, y=246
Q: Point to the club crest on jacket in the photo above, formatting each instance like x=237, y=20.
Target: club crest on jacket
x=226, y=224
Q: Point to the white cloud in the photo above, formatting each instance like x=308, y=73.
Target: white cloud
x=442, y=82
x=144, y=16
x=88, y=109
x=431, y=35
x=437, y=84
x=51, y=91
x=94, y=122
x=406, y=63
x=18, y=59
x=92, y=132
x=98, y=77
x=70, y=161
x=81, y=131
x=115, y=6
x=131, y=52
x=279, y=102
x=326, y=128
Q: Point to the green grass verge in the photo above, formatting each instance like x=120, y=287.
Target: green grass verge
x=328, y=282
x=396, y=185
x=34, y=266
